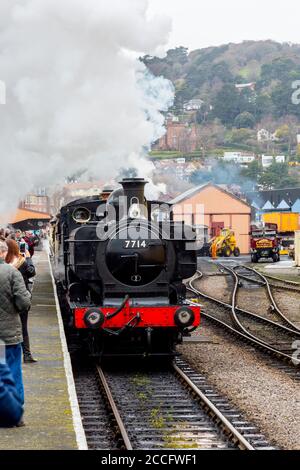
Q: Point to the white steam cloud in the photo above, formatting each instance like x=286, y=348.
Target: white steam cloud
x=78, y=99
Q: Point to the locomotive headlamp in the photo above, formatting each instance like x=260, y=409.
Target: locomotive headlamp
x=184, y=317
x=94, y=318
x=82, y=215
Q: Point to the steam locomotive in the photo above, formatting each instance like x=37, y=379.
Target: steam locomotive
x=119, y=264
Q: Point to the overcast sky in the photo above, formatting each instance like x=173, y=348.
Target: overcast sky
x=201, y=23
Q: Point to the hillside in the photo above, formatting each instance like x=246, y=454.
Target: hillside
x=212, y=74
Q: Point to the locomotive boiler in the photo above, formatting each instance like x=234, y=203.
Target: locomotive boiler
x=119, y=265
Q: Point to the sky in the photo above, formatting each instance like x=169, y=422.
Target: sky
x=198, y=23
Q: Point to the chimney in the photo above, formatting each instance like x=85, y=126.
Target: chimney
x=134, y=190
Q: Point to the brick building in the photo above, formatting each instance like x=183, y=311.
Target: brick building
x=179, y=136
x=36, y=203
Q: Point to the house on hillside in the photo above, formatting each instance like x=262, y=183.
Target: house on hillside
x=212, y=206
x=193, y=105
x=263, y=135
x=246, y=86
x=267, y=160
x=242, y=158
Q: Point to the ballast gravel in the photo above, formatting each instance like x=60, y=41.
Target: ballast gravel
x=266, y=395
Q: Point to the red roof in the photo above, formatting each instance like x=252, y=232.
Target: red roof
x=23, y=214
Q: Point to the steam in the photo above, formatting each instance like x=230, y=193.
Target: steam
x=224, y=173
x=78, y=99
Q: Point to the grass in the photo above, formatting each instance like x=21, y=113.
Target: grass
x=215, y=152
x=140, y=380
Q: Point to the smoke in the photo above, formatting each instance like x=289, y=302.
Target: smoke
x=78, y=99
x=227, y=174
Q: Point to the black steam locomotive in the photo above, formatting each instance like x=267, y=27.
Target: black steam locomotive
x=119, y=264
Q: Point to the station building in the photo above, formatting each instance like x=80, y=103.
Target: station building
x=212, y=206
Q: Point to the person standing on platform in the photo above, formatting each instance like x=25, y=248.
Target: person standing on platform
x=11, y=408
x=30, y=239
x=14, y=298
x=24, y=264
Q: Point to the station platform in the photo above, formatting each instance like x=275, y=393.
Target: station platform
x=52, y=419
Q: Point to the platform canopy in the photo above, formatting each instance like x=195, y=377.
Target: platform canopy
x=25, y=219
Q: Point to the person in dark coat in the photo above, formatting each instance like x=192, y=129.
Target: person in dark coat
x=11, y=408
x=26, y=267
x=30, y=240
x=14, y=298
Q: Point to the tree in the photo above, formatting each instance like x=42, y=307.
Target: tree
x=263, y=106
x=226, y=104
x=277, y=176
x=253, y=171
x=287, y=133
x=183, y=93
x=177, y=55
x=210, y=136
x=205, y=139
x=282, y=100
x=221, y=70
x=240, y=136
x=203, y=113
x=244, y=120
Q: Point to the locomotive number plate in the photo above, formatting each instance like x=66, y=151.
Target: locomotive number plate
x=135, y=244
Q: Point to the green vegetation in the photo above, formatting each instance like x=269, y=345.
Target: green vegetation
x=140, y=380
x=159, y=154
x=277, y=176
x=156, y=419
x=212, y=73
x=244, y=88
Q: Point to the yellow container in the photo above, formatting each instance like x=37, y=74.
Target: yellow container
x=286, y=221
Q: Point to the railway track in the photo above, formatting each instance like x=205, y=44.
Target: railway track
x=274, y=282
x=268, y=336
x=279, y=283
x=257, y=278
x=169, y=407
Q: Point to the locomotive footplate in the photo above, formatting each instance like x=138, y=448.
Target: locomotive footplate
x=153, y=330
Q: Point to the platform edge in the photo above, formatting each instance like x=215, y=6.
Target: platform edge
x=76, y=415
